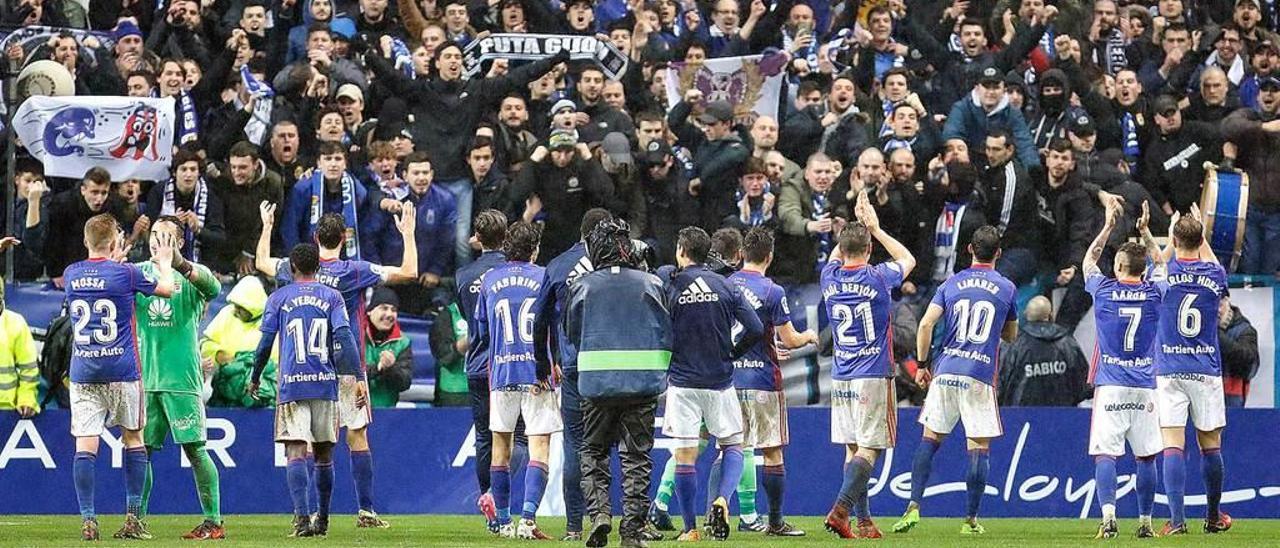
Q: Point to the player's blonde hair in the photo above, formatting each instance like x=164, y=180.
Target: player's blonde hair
x=100, y=232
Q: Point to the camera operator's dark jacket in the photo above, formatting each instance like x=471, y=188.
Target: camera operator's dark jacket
x=619, y=320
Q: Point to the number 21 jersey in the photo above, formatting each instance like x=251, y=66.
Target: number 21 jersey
x=859, y=304
x=104, y=346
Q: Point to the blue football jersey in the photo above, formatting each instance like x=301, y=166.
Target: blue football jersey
x=104, y=344
x=976, y=302
x=703, y=314
x=305, y=315
x=561, y=272
x=1127, y=317
x=758, y=368
x=1189, y=318
x=504, y=315
x=467, y=279
x=859, y=303
x=350, y=278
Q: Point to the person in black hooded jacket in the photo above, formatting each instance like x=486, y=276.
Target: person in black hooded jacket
x=1044, y=366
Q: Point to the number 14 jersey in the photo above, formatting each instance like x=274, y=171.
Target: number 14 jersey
x=976, y=302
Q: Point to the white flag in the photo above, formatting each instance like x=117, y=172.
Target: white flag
x=751, y=84
x=131, y=137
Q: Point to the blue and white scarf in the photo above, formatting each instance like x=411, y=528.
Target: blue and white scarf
x=894, y=143
x=945, y=237
x=1046, y=42
x=809, y=54
x=824, y=239
x=756, y=213
x=349, y=205
x=189, y=120
x=888, y=106
x=256, y=128
x=403, y=57
x=1129, y=133
x=396, y=192
x=199, y=204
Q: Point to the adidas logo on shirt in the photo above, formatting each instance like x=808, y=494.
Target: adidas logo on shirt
x=698, y=292
x=582, y=267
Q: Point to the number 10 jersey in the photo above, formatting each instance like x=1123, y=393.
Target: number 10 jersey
x=976, y=302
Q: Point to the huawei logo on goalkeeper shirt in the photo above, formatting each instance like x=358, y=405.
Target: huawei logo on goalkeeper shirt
x=698, y=292
x=160, y=313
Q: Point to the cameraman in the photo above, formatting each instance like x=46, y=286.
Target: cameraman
x=623, y=336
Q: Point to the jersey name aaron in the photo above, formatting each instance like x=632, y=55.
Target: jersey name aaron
x=859, y=302
x=1127, y=317
x=976, y=302
x=504, y=314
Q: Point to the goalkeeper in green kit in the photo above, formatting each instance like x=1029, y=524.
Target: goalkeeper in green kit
x=172, y=375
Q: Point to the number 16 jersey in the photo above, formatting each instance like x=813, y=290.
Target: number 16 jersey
x=976, y=302
x=104, y=346
x=504, y=315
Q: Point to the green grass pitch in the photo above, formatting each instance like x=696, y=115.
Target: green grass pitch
x=467, y=531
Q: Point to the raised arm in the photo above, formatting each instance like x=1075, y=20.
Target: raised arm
x=1206, y=251
x=1148, y=240
x=166, y=250
x=407, y=224
x=262, y=259
x=867, y=215
x=1094, y=252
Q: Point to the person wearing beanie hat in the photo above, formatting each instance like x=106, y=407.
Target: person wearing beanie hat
x=388, y=356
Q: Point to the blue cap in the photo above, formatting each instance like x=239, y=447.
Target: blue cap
x=125, y=28
x=343, y=27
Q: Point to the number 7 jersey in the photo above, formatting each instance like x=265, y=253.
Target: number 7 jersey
x=976, y=302
x=859, y=303
x=504, y=315
x=104, y=344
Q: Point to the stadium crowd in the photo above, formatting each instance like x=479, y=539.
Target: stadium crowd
x=1029, y=116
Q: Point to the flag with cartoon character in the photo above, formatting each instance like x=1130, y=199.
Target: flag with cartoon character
x=129, y=136
x=752, y=84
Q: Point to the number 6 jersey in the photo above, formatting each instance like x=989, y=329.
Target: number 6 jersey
x=1189, y=318
x=976, y=302
x=859, y=302
x=104, y=346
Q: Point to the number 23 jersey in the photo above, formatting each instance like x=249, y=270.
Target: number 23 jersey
x=859, y=304
x=104, y=346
